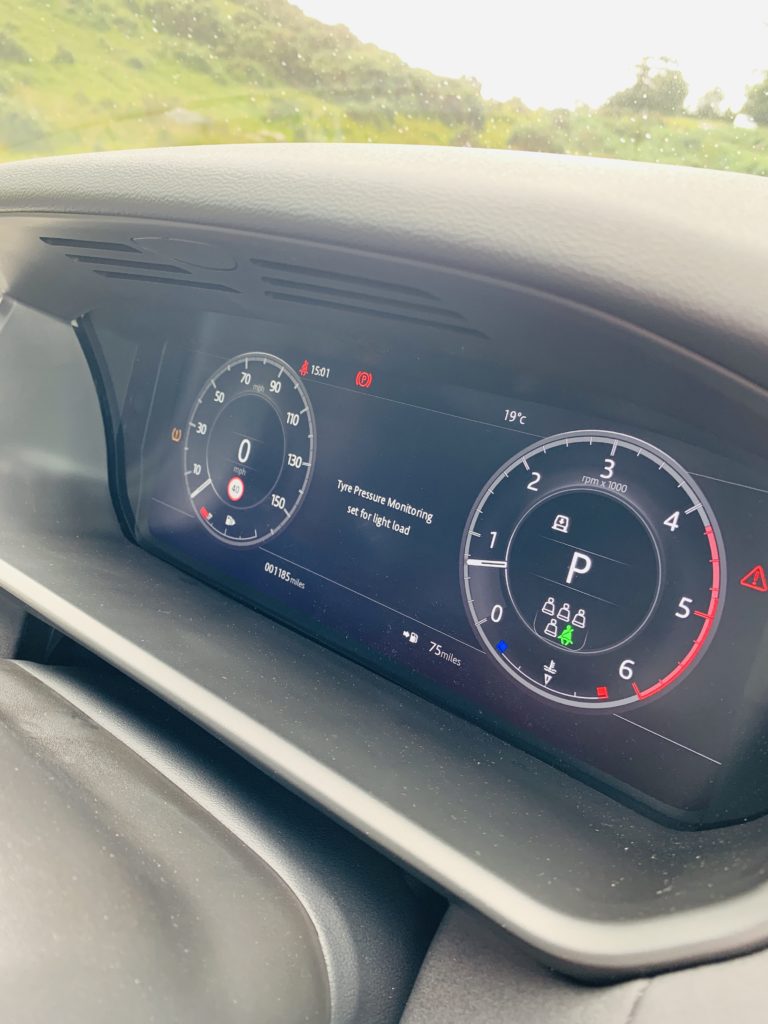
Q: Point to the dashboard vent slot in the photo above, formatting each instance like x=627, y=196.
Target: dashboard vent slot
x=364, y=296
x=111, y=261
x=103, y=259
x=342, y=293
x=80, y=243
x=307, y=300
x=210, y=286
x=353, y=279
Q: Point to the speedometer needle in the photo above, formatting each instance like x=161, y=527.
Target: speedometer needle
x=485, y=562
x=201, y=488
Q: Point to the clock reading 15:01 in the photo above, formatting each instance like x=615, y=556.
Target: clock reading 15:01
x=593, y=570
x=249, y=449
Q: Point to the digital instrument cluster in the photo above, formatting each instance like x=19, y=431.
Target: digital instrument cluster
x=561, y=580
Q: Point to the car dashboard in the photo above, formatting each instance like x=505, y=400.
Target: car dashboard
x=433, y=484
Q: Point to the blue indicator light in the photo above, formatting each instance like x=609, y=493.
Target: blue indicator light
x=501, y=646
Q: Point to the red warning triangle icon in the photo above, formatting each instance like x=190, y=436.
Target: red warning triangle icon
x=755, y=579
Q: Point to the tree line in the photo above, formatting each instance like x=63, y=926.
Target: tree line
x=660, y=88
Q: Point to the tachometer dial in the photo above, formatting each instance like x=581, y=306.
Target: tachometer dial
x=249, y=449
x=593, y=570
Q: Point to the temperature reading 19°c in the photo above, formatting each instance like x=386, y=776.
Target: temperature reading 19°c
x=249, y=449
x=593, y=570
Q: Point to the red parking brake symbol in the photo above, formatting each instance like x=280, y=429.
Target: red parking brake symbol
x=755, y=579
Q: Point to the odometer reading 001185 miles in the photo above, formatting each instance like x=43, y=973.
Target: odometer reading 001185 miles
x=249, y=449
x=593, y=570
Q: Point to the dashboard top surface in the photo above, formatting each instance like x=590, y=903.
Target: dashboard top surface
x=676, y=250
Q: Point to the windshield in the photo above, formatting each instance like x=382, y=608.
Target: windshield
x=681, y=82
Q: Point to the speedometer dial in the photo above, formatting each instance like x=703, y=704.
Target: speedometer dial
x=592, y=569
x=249, y=449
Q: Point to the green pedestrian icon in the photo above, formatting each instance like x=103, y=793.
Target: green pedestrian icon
x=566, y=637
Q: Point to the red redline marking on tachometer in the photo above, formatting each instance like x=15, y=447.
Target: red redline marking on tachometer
x=709, y=619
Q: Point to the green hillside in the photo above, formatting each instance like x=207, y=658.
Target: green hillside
x=103, y=74
x=97, y=74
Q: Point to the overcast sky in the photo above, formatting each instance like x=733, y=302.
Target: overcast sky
x=557, y=53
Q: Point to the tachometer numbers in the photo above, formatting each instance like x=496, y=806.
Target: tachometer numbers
x=593, y=570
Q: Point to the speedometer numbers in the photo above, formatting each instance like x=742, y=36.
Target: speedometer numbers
x=249, y=449
x=593, y=570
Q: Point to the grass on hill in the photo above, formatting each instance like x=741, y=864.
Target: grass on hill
x=81, y=75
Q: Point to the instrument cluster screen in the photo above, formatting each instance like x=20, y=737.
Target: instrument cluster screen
x=596, y=596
